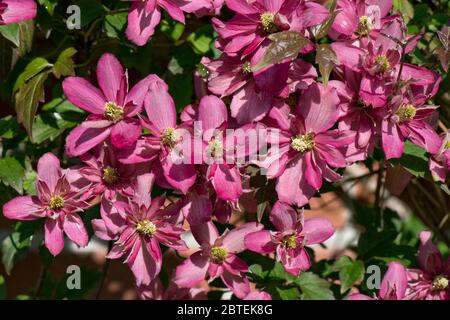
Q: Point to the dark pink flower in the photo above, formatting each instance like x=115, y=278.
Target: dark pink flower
x=292, y=235
x=167, y=142
x=393, y=286
x=113, y=108
x=407, y=120
x=217, y=257
x=304, y=148
x=252, y=92
x=145, y=15
x=379, y=62
x=256, y=20
x=12, y=11
x=57, y=202
x=440, y=162
x=432, y=280
x=141, y=227
x=358, y=18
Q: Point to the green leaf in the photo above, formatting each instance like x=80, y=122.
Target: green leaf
x=14, y=247
x=8, y=127
x=12, y=173
x=172, y=29
x=34, y=68
x=115, y=24
x=49, y=5
x=90, y=10
x=414, y=160
x=287, y=293
x=58, y=116
x=201, y=39
x=29, y=183
x=2, y=288
x=313, y=287
x=326, y=58
x=285, y=45
x=405, y=8
x=64, y=66
x=350, y=272
x=20, y=34
x=29, y=89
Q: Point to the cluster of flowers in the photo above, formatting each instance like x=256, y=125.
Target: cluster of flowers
x=132, y=139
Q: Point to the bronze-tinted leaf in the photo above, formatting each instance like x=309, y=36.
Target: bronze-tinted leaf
x=326, y=59
x=285, y=45
x=322, y=29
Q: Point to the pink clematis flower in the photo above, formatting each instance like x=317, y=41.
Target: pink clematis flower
x=356, y=116
x=393, y=286
x=12, y=11
x=256, y=20
x=108, y=176
x=217, y=258
x=169, y=143
x=407, y=120
x=379, y=62
x=440, y=162
x=224, y=176
x=145, y=15
x=304, y=149
x=141, y=227
x=156, y=291
x=359, y=18
x=292, y=235
x=113, y=108
x=56, y=202
x=252, y=92
x=432, y=280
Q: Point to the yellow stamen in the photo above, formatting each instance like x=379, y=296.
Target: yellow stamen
x=146, y=227
x=303, y=143
x=268, y=22
x=290, y=242
x=56, y=203
x=382, y=63
x=440, y=283
x=218, y=254
x=110, y=175
x=406, y=112
x=113, y=112
x=364, y=26
x=215, y=148
x=247, y=68
x=169, y=138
